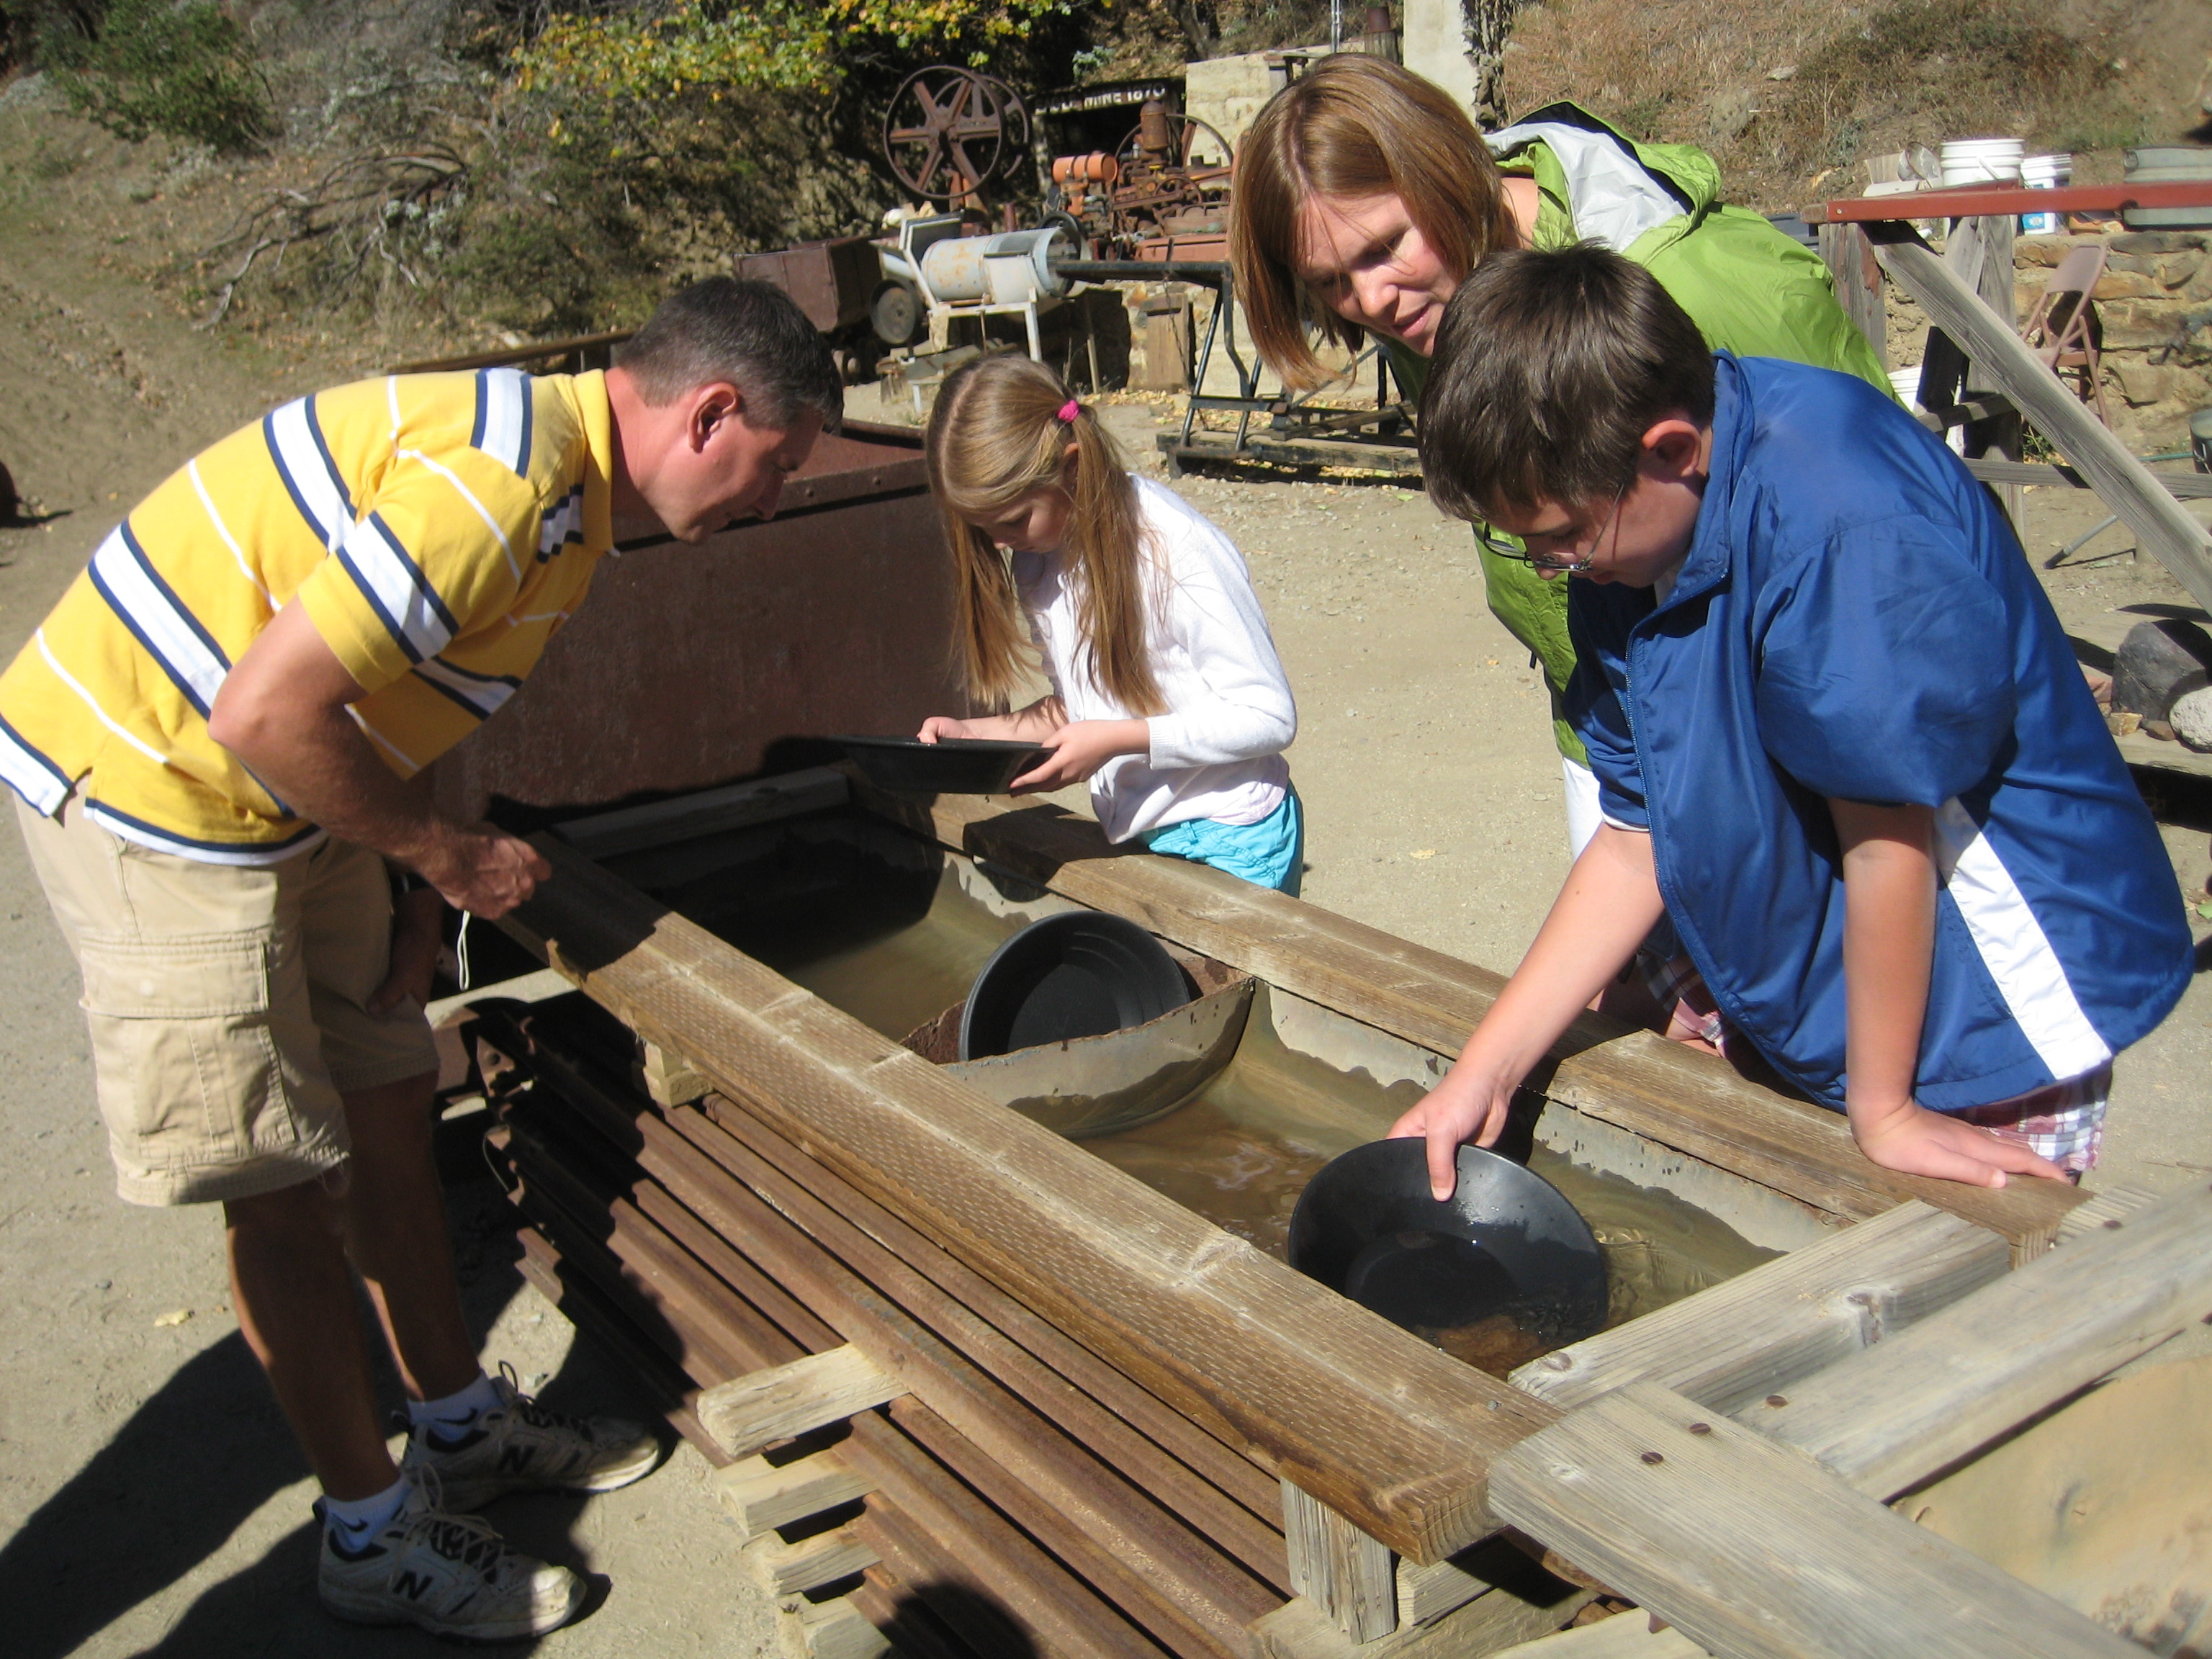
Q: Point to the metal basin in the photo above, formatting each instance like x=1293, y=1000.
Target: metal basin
x=1102, y=1085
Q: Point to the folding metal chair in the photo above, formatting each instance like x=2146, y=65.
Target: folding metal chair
x=2063, y=328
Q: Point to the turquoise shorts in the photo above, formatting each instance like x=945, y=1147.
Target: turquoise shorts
x=1268, y=853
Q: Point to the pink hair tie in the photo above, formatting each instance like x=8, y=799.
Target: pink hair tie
x=1069, y=410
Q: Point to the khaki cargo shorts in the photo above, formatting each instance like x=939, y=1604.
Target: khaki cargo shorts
x=228, y=1006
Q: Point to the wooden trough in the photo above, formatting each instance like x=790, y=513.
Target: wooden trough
x=972, y=1391
x=976, y=1391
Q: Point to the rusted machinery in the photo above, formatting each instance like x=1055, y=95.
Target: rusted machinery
x=949, y=131
x=1163, y=193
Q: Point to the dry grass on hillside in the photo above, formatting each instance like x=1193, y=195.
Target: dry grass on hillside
x=1783, y=91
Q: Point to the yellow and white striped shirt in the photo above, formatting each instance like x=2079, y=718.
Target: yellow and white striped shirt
x=437, y=529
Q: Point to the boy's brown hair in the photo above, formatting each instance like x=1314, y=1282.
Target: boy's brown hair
x=1353, y=126
x=1549, y=368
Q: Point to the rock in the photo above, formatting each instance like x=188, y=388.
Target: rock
x=2191, y=718
x=2139, y=382
x=2158, y=661
x=2157, y=241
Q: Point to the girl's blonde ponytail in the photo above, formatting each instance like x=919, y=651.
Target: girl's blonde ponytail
x=996, y=437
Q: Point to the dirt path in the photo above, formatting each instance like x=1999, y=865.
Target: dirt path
x=150, y=1499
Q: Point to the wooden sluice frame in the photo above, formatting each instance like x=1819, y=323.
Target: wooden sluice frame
x=1078, y=1418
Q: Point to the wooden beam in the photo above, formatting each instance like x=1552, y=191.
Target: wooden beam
x=1343, y=1573
x=836, y=1629
x=1753, y=1551
x=1858, y=278
x=2161, y=527
x=1501, y=1619
x=2182, y=486
x=749, y=1413
x=1385, y=1430
x=1786, y=1319
x=1624, y=1635
x=1693, y=1102
x=1889, y=1418
x=2107, y=1210
x=668, y=1078
x=761, y=1496
x=781, y=1569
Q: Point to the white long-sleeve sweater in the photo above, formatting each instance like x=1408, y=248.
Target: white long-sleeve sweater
x=1216, y=753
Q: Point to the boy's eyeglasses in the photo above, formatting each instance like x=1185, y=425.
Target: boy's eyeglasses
x=1491, y=543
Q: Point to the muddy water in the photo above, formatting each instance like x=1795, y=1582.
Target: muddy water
x=897, y=948
x=1243, y=1151
x=893, y=948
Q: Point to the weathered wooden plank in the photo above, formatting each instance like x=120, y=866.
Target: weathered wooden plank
x=2182, y=486
x=706, y=812
x=589, y=1309
x=1498, y=1619
x=1096, y=1518
x=668, y=1079
x=784, y=1401
x=2164, y=529
x=1888, y=1418
x=1624, y=1635
x=761, y=1496
x=1425, y=1594
x=1692, y=1102
x=1229, y=1526
x=836, y=1629
x=1858, y=278
x=820, y=1200
x=1384, y=1429
x=2108, y=1208
x=782, y=1569
x=1786, y=1318
x=969, y=1543
x=1339, y=1569
x=1753, y=1552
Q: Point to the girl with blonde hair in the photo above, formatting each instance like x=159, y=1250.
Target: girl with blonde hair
x=1166, y=692
x=1364, y=196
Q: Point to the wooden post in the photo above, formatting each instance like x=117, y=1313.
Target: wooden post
x=1857, y=277
x=1344, y=1573
x=1979, y=252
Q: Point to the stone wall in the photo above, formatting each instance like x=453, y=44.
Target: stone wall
x=2155, y=303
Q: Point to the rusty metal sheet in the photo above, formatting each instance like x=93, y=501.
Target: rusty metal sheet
x=686, y=665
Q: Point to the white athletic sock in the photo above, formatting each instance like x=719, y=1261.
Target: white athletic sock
x=456, y=1411
x=354, y=1524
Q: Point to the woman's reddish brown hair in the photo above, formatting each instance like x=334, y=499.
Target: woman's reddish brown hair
x=1353, y=126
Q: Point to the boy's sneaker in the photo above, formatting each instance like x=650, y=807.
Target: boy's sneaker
x=451, y=1574
x=521, y=1446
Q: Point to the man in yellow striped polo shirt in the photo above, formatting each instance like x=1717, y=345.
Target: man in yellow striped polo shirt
x=212, y=736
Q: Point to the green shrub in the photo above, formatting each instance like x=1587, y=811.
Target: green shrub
x=184, y=68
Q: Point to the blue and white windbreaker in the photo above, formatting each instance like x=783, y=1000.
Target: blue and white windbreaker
x=1855, y=619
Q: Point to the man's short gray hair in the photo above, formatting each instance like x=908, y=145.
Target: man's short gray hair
x=748, y=333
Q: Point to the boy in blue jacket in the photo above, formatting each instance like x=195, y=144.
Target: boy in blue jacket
x=1841, y=742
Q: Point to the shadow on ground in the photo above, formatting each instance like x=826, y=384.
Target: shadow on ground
x=209, y=1449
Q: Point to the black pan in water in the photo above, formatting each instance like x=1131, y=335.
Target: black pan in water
x=1506, y=1241
x=950, y=766
x=1081, y=973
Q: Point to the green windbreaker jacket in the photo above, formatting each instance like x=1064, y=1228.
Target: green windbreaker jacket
x=1752, y=290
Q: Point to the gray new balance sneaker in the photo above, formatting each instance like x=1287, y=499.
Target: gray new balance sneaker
x=449, y=1573
x=522, y=1446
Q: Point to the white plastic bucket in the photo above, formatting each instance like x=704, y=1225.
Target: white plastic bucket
x=1906, y=382
x=1983, y=160
x=2045, y=173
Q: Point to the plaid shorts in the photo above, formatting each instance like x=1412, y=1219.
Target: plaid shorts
x=2061, y=1121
